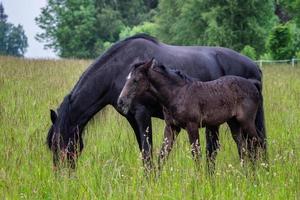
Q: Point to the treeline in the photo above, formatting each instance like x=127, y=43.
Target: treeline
x=13, y=40
x=259, y=29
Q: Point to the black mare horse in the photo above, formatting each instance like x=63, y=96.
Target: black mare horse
x=102, y=82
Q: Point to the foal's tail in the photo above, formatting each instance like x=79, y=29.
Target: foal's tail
x=260, y=118
x=257, y=84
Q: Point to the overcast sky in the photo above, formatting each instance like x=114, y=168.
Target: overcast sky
x=23, y=12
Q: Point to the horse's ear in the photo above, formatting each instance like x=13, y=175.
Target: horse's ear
x=53, y=116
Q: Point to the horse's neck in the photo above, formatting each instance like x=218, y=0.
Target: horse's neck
x=89, y=96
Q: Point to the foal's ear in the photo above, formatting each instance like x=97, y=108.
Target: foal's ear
x=146, y=66
x=153, y=63
x=53, y=116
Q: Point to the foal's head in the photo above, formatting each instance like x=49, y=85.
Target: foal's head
x=136, y=84
x=148, y=76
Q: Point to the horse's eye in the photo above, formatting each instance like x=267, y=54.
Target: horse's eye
x=135, y=81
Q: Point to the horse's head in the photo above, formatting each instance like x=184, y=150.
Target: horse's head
x=64, y=139
x=136, y=84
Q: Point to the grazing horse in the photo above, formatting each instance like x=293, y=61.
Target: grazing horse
x=192, y=104
x=102, y=82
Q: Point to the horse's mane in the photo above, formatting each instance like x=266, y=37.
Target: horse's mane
x=114, y=48
x=143, y=36
x=110, y=52
x=63, y=112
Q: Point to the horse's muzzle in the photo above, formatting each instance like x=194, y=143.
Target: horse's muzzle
x=123, y=105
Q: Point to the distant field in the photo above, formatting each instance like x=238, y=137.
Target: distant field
x=110, y=166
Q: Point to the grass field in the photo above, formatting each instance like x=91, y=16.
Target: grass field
x=110, y=166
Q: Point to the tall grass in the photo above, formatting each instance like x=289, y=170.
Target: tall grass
x=110, y=166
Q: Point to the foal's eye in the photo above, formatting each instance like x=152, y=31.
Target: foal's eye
x=135, y=81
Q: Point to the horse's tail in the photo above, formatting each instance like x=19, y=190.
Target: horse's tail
x=260, y=118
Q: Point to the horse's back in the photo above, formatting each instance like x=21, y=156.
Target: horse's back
x=213, y=62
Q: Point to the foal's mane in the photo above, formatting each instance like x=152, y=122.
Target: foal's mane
x=137, y=64
x=182, y=75
x=178, y=72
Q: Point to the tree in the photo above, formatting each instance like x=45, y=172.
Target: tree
x=131, y=12
x=295, y=8
x=3, y=16
x=147, y=27
x=284, y=40
x=232, y=23
x=249, y=51
x=69, y=28
x=290, y=9
x=84, y=28
x=13, y=40
x=280, y=42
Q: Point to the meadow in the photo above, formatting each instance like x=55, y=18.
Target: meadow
x=110, y=165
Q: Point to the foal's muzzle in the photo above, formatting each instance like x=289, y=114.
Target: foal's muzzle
x=124, y=105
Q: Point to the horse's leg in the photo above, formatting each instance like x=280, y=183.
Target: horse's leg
x=235, y=129
x=212, y=145
x=170, y=135
x=252, y=138
x=193, y=132
x=140, y=121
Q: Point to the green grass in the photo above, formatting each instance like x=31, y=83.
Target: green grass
x=110, y=166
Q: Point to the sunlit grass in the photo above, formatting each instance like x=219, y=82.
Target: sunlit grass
x=110, y=166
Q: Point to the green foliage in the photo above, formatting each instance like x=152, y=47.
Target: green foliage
x=296, y=8
x=13, y=40
x=295, y=36
x=85, y=28
x=108, y=24
x=293, y=9
x=232, y=24
x=70, y=28
x=280, y=42
x=131, y=12
x=82, y=28
x=249, y=51
x=147, y=27
x=266, y=56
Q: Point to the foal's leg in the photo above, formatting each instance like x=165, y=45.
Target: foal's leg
x=236, y=132
x=212, y=145
x=192, y=129
x=252, y=139
x=170, y=135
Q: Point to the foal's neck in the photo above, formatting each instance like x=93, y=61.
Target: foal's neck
x=166, y=92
